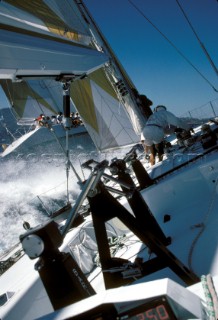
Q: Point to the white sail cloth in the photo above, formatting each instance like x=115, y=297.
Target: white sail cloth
x=42, y=41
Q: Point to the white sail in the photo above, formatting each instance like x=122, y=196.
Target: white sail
x=30, y=98
x=42, y=44
x=102, y=111
x=35, y=41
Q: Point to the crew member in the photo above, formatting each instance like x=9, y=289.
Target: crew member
x=157, y=126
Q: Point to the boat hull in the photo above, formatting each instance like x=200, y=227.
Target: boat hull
x=41, y=135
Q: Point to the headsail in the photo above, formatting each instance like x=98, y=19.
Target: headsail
x=43, y=41
x=30, y=98
x=101, y=110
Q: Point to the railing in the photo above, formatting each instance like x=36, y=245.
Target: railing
x=205, y=112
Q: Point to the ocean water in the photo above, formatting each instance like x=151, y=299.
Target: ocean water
x=33, y=183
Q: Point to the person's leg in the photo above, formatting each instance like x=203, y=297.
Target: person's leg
x=160, y=150
x=152, y=154
x=151, y=151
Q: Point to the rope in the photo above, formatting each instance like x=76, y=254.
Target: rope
x=202, y=225
x=211, y=297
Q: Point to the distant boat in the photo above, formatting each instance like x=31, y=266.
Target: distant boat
x=146, y=244
x=29, y=101
x=41, y=135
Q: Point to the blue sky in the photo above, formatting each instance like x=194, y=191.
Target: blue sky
x=154, y=66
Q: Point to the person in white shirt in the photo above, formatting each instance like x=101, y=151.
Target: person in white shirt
x=157, y=126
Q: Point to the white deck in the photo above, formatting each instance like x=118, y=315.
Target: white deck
x=187, y=194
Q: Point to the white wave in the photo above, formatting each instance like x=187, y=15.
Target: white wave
x=32, y=185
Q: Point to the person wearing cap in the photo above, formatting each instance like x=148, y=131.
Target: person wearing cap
x=157, y=126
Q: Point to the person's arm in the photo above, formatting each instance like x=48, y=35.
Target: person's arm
x=177, y=122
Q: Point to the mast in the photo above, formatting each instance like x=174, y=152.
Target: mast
x=118, y=64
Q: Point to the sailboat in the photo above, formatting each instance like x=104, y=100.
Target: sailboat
x=146, y=245
x=30, y=100
x=88, y=82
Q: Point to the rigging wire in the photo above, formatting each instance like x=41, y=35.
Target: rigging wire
x=201, y=44
x=66, y=155
x=172, y=44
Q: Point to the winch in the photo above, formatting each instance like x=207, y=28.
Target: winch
x=184, y=137
x=208, y=136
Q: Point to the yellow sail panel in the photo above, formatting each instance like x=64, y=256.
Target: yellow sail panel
x=99, y=77
x=49, y=18
x=66, y=34
x=81, y=94
x=104, y=115
x=19, y=93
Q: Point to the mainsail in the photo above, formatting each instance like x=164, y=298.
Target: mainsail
x=35, y=41
x=43, y=41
